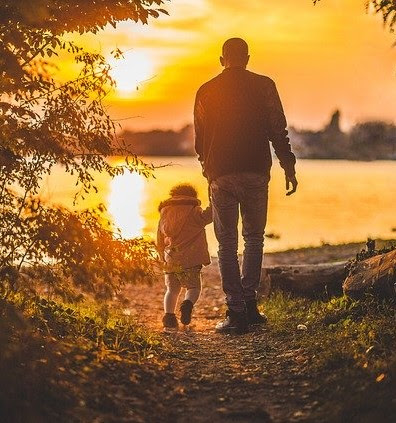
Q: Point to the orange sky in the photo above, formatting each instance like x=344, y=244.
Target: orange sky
x=333, y=55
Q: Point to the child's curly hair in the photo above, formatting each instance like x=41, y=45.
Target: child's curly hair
x=184, y=189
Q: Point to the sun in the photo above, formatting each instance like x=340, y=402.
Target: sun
x=131, y=70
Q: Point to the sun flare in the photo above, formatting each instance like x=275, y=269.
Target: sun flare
x=124, y=202
x=131, y=71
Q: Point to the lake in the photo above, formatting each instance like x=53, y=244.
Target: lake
x=337, y=201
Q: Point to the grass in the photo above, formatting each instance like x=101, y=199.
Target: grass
x=53, y=352
x=361, y=329
x=351, y=349
x=59, y=358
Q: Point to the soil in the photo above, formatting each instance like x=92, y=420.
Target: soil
x=221, y=378
x=199, y=376
x=256, y=377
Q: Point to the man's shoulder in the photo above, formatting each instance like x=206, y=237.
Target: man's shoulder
x=207, y=85
x=261, y=79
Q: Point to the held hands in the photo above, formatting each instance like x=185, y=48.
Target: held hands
x=293, y=181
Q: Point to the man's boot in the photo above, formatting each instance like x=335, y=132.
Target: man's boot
x=254, y=317
x=235, y=322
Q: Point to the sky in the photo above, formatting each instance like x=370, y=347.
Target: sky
x=330, y=56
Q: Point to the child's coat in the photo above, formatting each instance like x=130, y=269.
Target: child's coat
x=181, y=238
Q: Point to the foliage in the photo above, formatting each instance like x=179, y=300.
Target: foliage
x=59, y=16
x=370, y=140
x=63, y=249
x=374, y=140
x=104, y=327
x=46, y=122
x=347, y=346
x=340, y=332
x=388, y=10
x=47, y=372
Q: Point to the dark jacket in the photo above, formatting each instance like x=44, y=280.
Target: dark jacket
x=181, y=238
x=236, y=114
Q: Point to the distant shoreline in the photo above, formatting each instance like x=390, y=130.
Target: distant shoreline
x=298, y=158
x=321, y=254
x=365, y=141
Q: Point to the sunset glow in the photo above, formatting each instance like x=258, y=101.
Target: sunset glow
x=330, y=56
x=131, y=71
x=126, y=194
x=323, y=57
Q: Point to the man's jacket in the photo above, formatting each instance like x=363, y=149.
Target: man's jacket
x=236, y=114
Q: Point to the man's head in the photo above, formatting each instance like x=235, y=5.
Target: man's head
x=235, y=53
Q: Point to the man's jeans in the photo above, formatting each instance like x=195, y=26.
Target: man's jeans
x=249, y=191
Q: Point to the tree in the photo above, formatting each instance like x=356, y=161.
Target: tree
x=44, y=122
x=373, y=140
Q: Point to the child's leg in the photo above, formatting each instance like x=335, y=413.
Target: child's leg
x=194, y=286
x=193, y=294
x=192, y=283
x=173, y=288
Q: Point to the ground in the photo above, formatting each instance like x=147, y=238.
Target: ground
x=252, y=378
x=339, y=368
x=257, y=377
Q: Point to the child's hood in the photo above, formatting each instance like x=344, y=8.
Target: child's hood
x=174, y=213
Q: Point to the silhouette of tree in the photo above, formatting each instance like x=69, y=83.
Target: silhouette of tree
x=374, y=140
x=58, y=16
x=44, y=122
x=370, y=140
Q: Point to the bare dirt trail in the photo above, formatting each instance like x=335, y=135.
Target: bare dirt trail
x=265, y=376
x=219, y=378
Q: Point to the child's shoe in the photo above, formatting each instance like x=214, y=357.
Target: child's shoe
x=170, y=322
x=186, y=309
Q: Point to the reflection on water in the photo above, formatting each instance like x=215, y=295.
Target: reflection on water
x=336, y=201
x=124, y=203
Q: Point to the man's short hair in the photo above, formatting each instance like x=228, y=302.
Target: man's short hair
x=235, y=48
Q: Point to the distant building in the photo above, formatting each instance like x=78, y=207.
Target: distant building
x=328, y=143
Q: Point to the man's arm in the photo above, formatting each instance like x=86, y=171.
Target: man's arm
x=278, y=135
x=198, y=126
x=277, y=131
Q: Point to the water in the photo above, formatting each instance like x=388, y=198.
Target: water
x=336, y=201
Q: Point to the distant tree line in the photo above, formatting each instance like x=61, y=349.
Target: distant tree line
x=161, y=142
x=371, y=140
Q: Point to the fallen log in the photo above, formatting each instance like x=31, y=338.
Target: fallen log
x=309, y=280
x=376, y=275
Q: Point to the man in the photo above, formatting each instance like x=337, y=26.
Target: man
x=236, y=114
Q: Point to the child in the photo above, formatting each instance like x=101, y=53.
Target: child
x=182, y=245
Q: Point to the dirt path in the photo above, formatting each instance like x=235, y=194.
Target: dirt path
x=219, y=378
x=200, y=376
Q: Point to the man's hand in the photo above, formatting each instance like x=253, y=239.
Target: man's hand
x=293, y=181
